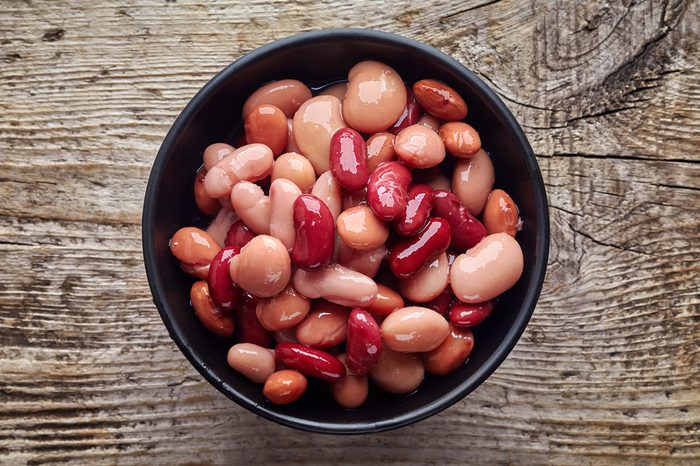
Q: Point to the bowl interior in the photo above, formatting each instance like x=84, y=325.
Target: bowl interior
x=320, y=58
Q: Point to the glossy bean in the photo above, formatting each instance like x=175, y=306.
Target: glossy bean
x=428, y=283
x=386, y=302
x=375, y=97
x=443, y=302
x=213, y=318
x=452, y=353
x=324, y=327
x=314, y=125
x=336, y=90
x=251, y=162
x=286, y=94
x=214, y=153
x=262, y=268
x=252, y=205
x=359, y=228
x=195, y=249
x=472, y=181
x=418, y=206
x=315, y=233
x=328, y=190
x=410, y=115
x=285, y=387
x=419, y=147
x=353, y=199
x=238, y=234
x=222, y=290
x=488, y=269
x=411, y=254
x=440, y=100
x=380, y=148
x=348, y=159
x=460, y=139
x=310, y=361
x=387, y=189
x=283, y=311
x=350, y=391
x=220, y=225
x=336, y=284
x=466, y=230
x=414, y=329
x=248, y=327
x=396, y=372
x=254, y=362
x=295, y=168
x=501, y=214
x=430, y=122
x=366, y=262
x=267, y=124
x=205, y=203
x=466, y=315
x=291, y=142
x=364, y=345
x=283, y=194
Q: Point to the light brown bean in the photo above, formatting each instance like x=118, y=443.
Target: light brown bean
x=380, y=148
x=324, y=327
x=336, y=90
x=282, y=311
x=285, y=386
x=195, y=249
x=414, y=329
x=386, y=302
x=251, y=162
x=283, y=193
x=266, y=124
x=254, y=362
x=252, y=205
x=351, y=391
x=472, y=181
x=451, y=353
x=263, y=267
x=501, y=214
x=359, y=228
x=287, y=94
x=214, y=153
x=427, y=283
x=336, y=284
x=430, y=122
x=328, y=190
x=439, y=182
x=295, y=168
x=419, y=147
x=398, y=373
x=314, y=125
x=366, y=262
x=460, y=139
x=291, y=142
x=205, y=203
x=214, y=319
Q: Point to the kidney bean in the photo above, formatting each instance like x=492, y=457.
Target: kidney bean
x=267, y=124
x=336, y=284
x=324, y=327
x=386, y=190
x=409, y=255
x=353, y=199
x=375, y=97
x=215, y=320
x=418, y=205
x=219, y=226
x=348, y=159
x=440, y=100
x=364, y=345
x=310, y=361
x=315, y=234
x=359, y=228
x=195, y=249
x=442, y=303
x=380, y=148
x=488, y=269
x=386, y=302
x=460, y=139
x=328, y=190
x=248, y=327
x=262, y=268
x=410, y=115
x=466, y=230
x=285, y=387
x=291, y=142
x=426, y=284
x=414, y=329
x=398, y=373
x=252, y=206
x=419, y=147
x=283, y=194
x=466, y=315
x=451, y=353
x=350, y=391
x=501, y=214
x=337, y=90
x=282, y=311
x=222, y=290
x=314, y=124
x=295, y=168
x=366, y=262
x=430, y=122
x=214, y=153
x=238, y=234
x=205, y=203
x=254, y=362
x=286, y=94
x=472, y=181
x=251, y=162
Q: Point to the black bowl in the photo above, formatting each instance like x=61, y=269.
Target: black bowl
x=319, y=58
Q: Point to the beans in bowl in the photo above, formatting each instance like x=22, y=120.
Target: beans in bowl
x=337, y=249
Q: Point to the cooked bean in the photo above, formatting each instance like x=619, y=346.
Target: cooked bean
x=488, y=269
x=411, y=254
x=195, y=249
x=501, y=214
x=442, y=303
x=440, y=100
x=238, y=234
x=263, y=267
x=222, y=290
x=252, y=205
x=251, y=162
x=283, y=193
x=350, y=391
x=472, y=181
x=248, y=327
x=352, y=199
x=287, y=94
x=205, y=203
x=336, y=284
x=430, y=122
x=387, y=189
x=460, y=139
x=418, y=206
x=214, y=319
x=315, y=233
x=288, y=334
x=466, y=315
x=410, y=115
x=314, y=125
x=386, y=302
x=285, y=387
x=324, y=327
x=451, y=353
x=380, y=148
x=219, y=227
x=310, y=361
x=214, y=153
x=295, y=168
x=336, y=90
x=419, y=147
x=359, y=228
x=366, y=262
x=348, y=159
x=267, y=124
x=427, y=283
x=291, y=142
x=282, y=311
x=328, y=190
x=466, y=230
x=254, y=362
x=414, y=329
x=364, y=345
x=398, y=373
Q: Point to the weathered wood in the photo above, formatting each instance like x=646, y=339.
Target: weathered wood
x=607, y=371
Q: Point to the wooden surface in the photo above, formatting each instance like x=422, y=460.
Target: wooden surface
x=607, y=371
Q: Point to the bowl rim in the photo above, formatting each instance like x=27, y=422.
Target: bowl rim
x=493, y=103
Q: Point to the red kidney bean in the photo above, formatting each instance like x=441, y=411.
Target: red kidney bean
x=364, y=341
x=214, y=319
x=467, y=231
x=223, y=292
x=348, y=159
x=238, y=235
x=465, y=315
x=386, y=190
x=443, y=302
x=247, y=324
x=310, y=361
x=420, y=201
x=409, y=255
x=411, y=114
x=315, y=233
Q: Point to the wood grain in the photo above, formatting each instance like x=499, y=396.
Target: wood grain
x=607, y=371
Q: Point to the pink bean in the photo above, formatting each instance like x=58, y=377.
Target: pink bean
x=366, y=262
x=222, y=290
x=214, y=153
x=420, y=201
x=310, y=361
x=252, y=162
x=387, y=189
x=364, y=341
x=315, y=233
x=410, y=255
x=348, y=159
x=218, y=228
x=467, y=231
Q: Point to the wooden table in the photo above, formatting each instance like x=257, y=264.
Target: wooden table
x=607, y=370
